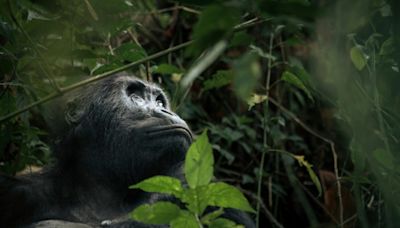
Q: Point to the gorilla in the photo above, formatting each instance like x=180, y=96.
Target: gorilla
x=120, y=131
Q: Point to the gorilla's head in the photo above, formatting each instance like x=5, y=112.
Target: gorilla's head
x=122, y=129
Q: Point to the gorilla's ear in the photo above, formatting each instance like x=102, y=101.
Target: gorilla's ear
x=73, y=111
x=62, y=114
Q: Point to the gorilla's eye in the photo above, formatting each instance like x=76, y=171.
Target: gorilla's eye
x=160, y=101
x=136, y=87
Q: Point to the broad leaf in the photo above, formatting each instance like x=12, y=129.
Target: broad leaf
x=157, y=213
x=199, y=162
x=358, y=58
x=161, y=184
x=185, y=220
x=294, y=80
x=225, y=195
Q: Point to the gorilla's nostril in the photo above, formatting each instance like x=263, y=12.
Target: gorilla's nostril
x=167, y=112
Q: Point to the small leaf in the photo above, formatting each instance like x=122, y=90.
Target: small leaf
x=302, y=162
x=358, y=58
x=157, y=213
x=199, y=162
x=208, y=218
x=161, y=184
x=225, y=195
x=255, y=99
x=224, y=223
x=167, y=69
x=294, y=80
x=218, y=80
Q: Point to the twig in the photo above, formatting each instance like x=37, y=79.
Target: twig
x=265, y=144
x=268, y=213
x=93, y=79
x=330, y=142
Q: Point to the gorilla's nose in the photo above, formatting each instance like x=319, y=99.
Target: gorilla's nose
x=168, y=115
x=167, y=112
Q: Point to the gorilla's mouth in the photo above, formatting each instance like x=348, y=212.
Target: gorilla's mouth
x=170, y=130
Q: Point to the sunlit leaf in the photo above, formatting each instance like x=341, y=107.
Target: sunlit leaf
x=225, y=195
x=199, y=162
x=358, y=58
x=161, y=184
x=196, y=199
x=256, y=99
x=157, y=213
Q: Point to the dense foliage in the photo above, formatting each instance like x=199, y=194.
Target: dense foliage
x=300, y=96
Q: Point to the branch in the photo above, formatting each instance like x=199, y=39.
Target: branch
x=66, y=89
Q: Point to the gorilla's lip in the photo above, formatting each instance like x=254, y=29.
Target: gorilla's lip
x=174, y=128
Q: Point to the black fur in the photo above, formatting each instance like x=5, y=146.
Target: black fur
x=118, y=134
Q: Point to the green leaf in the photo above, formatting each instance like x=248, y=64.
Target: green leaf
x=358, y=58
x=302, y=162
x=167, y=69
x=161, y=184
x=224, y=223
x=185, y=220
x=208, y=218
x=225, y=195
x=196, y=199
x=199, y=162
x=218, y=80
x=130, y=52
x=294, y=80
x=255, y=99
x=157, y=213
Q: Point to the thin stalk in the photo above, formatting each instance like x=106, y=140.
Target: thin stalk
x=265, y=142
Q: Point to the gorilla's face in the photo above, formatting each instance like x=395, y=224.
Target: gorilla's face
x=129, y=127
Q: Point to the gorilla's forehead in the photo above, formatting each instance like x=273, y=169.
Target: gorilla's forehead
x=124, y=79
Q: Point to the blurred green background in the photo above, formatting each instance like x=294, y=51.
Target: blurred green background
x=301, y=97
